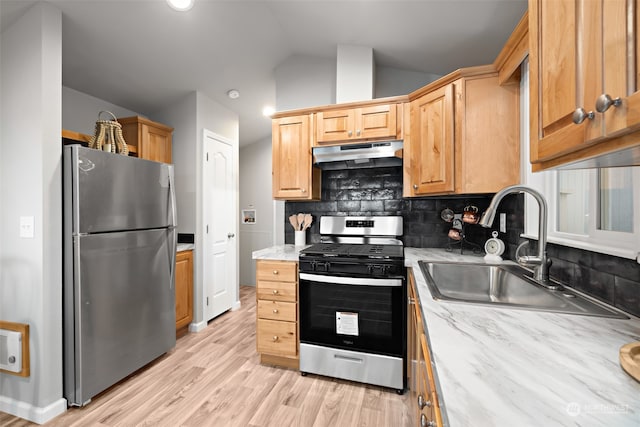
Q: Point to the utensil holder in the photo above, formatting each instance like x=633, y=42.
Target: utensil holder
x=300, y=238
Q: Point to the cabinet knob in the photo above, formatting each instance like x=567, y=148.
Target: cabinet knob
x=424, y=422
x=604, y=101
x=580, y=115
x=275, y=310
x=350, y=133
x=275, y=338
x=303, y=190
x=275, y=271
x=422, y=403
x=275, y=291
x=415, y=186
x=358, y=132
x=231, y=235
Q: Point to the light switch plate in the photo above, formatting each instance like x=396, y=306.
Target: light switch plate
x=503, y=222
x=26, y=227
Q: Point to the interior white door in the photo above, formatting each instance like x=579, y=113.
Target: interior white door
x=220, y=225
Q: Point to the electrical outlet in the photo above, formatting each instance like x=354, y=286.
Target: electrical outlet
x=503, y=222
x=26, y=227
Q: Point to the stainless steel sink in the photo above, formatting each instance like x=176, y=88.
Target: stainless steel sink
x=506, y=285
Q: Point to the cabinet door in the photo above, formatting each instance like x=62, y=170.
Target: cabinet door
x=293, y=176
x=432, y=142
x=155, y=144
x=619, y=52
x=335, y=126
x=378, y=121
x=184, y=288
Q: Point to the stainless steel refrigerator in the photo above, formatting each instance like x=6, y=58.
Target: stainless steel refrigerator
x=119, y=263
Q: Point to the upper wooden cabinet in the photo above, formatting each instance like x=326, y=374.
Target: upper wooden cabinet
x=430, y=155
x=373, y=122
x=583, y=81
x=463, y=135
x=294, y=178
x=151, y=139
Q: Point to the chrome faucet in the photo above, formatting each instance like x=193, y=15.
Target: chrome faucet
x=541, y=262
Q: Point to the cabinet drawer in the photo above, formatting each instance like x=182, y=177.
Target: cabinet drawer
x=275, y=337
x=277, y=310
x=282, y=271
x=278, y=291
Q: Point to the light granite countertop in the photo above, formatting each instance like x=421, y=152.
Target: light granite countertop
x=507, y=367
x=185, y=247
x=279, y=253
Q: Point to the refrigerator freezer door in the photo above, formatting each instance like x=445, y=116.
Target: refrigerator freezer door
x=111, y=192
x=123, y=297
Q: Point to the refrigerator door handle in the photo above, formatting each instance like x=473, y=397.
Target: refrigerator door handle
x=174, y=232
x=172, y=195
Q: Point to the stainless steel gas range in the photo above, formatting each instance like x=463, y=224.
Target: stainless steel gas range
x=352, y=301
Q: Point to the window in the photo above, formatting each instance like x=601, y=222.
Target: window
x=592, y=209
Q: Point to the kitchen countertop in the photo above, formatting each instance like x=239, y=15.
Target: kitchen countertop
x=185, y=247
x=509, y=367
x=279, y=253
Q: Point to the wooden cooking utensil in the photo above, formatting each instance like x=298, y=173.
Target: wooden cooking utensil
x=300, y=221
x=293, y=219
x=308, y=219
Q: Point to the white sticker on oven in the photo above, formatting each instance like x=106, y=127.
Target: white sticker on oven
x=347, y=323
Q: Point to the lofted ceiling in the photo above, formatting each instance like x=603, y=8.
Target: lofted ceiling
x=142, y=55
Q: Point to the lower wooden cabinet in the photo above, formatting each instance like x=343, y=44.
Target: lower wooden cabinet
x=184, y=291
x=277, y=333
x=424, y=399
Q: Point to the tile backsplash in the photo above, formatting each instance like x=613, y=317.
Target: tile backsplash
x=378, y=191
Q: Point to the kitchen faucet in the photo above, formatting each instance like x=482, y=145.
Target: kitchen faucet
x=541, y=262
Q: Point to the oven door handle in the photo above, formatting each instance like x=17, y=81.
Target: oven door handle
x=361, y=281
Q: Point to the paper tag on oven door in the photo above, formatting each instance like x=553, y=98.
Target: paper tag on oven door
x=347, y=323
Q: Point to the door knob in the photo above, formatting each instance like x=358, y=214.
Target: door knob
x=604, y=101
x=231, y=235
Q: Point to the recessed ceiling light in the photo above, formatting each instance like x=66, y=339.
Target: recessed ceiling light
x=233, y=94
x=268, y=111
x=181, y=5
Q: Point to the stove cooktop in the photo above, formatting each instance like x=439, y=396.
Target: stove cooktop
x=353, y=250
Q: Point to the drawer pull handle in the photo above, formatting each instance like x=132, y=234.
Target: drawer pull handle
x=275, y=291
x=275, y=272
x=275, y=310
x=275, y=338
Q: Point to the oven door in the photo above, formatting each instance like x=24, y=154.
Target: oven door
x=358, y=314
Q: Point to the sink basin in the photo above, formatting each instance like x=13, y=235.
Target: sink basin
x=506, y=285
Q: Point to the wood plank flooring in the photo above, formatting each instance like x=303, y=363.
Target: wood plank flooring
x=214, y=378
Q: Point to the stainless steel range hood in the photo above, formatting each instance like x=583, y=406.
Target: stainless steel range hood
x=352, y=156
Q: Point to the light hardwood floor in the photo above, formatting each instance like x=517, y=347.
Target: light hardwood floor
x=213, y=378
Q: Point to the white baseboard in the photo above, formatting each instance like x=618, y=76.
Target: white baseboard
x=235, y=306
x=35, y=414
x=197, y=327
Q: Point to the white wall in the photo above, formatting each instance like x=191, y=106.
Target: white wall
x=305, y=81
x=255, y=193
x=396, y=82
x=80, y=111
x=189, y=117
x=30, y=185
x=182, y=116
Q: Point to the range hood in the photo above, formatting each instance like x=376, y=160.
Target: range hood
x=352, y=156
